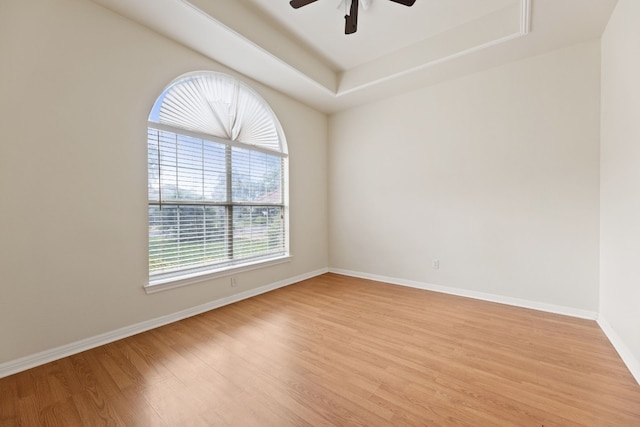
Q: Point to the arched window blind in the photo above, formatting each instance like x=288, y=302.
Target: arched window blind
x=217, y=178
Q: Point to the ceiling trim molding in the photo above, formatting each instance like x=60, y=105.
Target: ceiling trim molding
x=523, y=30
x=254, y=50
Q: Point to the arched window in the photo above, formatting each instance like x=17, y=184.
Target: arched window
x=217, y=174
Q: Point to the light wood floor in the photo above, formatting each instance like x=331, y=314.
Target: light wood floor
x=339, y=351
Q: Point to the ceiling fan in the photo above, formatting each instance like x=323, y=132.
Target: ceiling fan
x=351, y=20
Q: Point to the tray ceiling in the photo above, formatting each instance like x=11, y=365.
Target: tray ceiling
x=305, y=53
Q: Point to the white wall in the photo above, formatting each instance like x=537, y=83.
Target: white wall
x=495, y=174
x=620, y=182
x=77, y=83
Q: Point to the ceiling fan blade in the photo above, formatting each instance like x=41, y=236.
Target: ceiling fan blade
x=405, y=2
x=299, y=3
x=351, y=20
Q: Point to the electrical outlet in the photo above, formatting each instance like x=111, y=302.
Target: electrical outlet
x=435, y=263
x=234, y=282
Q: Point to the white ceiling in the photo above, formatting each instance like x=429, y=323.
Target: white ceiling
x=382, y=29
x=305, y=53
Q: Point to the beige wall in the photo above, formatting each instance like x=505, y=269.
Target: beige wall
x=495, y=174
x=77, y=83
x=620, y=181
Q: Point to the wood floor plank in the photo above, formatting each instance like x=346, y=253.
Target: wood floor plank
x=335, y=350
x=62, y=413
x=28, y=411
x=8, y=401
x=133, y=409
x=96, y=412
x=177, y=406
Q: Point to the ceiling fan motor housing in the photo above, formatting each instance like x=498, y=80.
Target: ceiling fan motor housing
x=351, y=20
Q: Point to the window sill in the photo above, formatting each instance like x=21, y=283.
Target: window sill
x=188, y=279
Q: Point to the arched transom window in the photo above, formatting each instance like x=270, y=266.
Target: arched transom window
x=217, y=174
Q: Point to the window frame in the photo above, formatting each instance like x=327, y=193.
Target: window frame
x=189, y=275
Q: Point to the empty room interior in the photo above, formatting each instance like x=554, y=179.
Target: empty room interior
x=287, y=213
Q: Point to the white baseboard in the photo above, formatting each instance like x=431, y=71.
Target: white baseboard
x=534, y=305
x=27, y=362
x=625, y=353
x=31, y=361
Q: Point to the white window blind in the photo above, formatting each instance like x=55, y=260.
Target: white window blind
x=216, y=175
x=219, y=105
